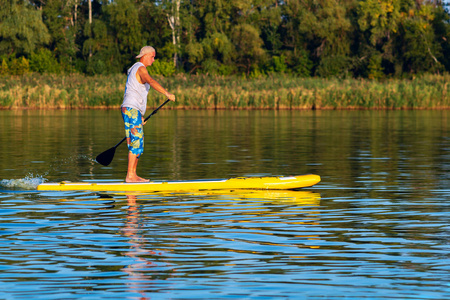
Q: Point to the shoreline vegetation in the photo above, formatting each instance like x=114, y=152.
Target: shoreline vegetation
x=77, y=91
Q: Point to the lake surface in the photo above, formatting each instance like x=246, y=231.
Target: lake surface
x=376, y=227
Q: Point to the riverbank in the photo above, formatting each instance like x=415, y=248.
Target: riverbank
x=36, y=91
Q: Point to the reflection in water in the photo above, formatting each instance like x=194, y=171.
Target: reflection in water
x=244, y=206
x=297, y=208
x=294, y=199
x=138, y=272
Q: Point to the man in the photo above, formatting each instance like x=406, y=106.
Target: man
x=134, y=106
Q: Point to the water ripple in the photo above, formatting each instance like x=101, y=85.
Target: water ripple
x=222, y=245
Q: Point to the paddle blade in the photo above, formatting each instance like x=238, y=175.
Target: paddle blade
x=105, y=158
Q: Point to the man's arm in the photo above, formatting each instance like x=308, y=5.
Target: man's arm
x=145, y=78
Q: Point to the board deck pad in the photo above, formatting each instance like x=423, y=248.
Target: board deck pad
x=261, y=183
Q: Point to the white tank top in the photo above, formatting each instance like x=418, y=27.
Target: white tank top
x=135, y=93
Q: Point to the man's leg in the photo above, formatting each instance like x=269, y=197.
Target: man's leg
x=132, y=167
x=135, y=140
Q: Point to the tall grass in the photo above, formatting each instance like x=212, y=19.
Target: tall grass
x=220, y=92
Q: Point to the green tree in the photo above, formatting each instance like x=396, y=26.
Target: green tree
x=173, y=18
x=161, y=67
x=218, y=50
x=321, y=27
x=375, y=69
x=43, y=61
x=441, y=27
x=102, y=55
x=208, y=30
x=19, y=66
x=57, y=16
x=248, y=44
x=418, y=50
x=376, y=27
x=213, y=16
x=302, y=63
x=21, y=28
x=4, y=69
x=379, y=19
x=196, y=54
x=156, y=31
x=126, y=29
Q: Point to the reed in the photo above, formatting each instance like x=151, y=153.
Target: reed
x=219, y=92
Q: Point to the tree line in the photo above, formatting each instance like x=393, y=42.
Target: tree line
x=324, y=38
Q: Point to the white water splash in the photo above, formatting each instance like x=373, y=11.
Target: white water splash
x=30, y=182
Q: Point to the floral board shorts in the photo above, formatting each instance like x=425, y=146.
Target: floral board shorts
x=134, y=130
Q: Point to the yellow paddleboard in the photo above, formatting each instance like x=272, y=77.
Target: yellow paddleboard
x=259, y=183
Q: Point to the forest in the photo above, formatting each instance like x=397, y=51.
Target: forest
x=373, y=39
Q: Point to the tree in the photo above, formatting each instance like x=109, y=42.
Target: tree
x=43, y=61
x=418, y=50
x=156, y=31
x=322, y=28
x=124, y=21
x=378, y=19
x=248, y=46
x=21, y=28
x=57, y=16
x=441, y=27
x=173, y=17
x=216, y=51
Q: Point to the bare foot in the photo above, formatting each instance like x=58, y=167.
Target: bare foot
x=135, y=179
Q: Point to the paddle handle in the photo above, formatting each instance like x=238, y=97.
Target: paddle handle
x=154, y=112
x=145, y=120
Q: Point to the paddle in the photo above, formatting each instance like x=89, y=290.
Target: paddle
x=105, y=158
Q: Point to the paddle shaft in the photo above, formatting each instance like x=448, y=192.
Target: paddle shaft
x=145, y=120
x=106, y=157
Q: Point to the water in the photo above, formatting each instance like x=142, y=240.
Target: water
x=376, y=227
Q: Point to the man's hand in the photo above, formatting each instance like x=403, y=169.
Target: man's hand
x=170, y=96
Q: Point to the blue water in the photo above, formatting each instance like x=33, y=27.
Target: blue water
x=376, y=227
